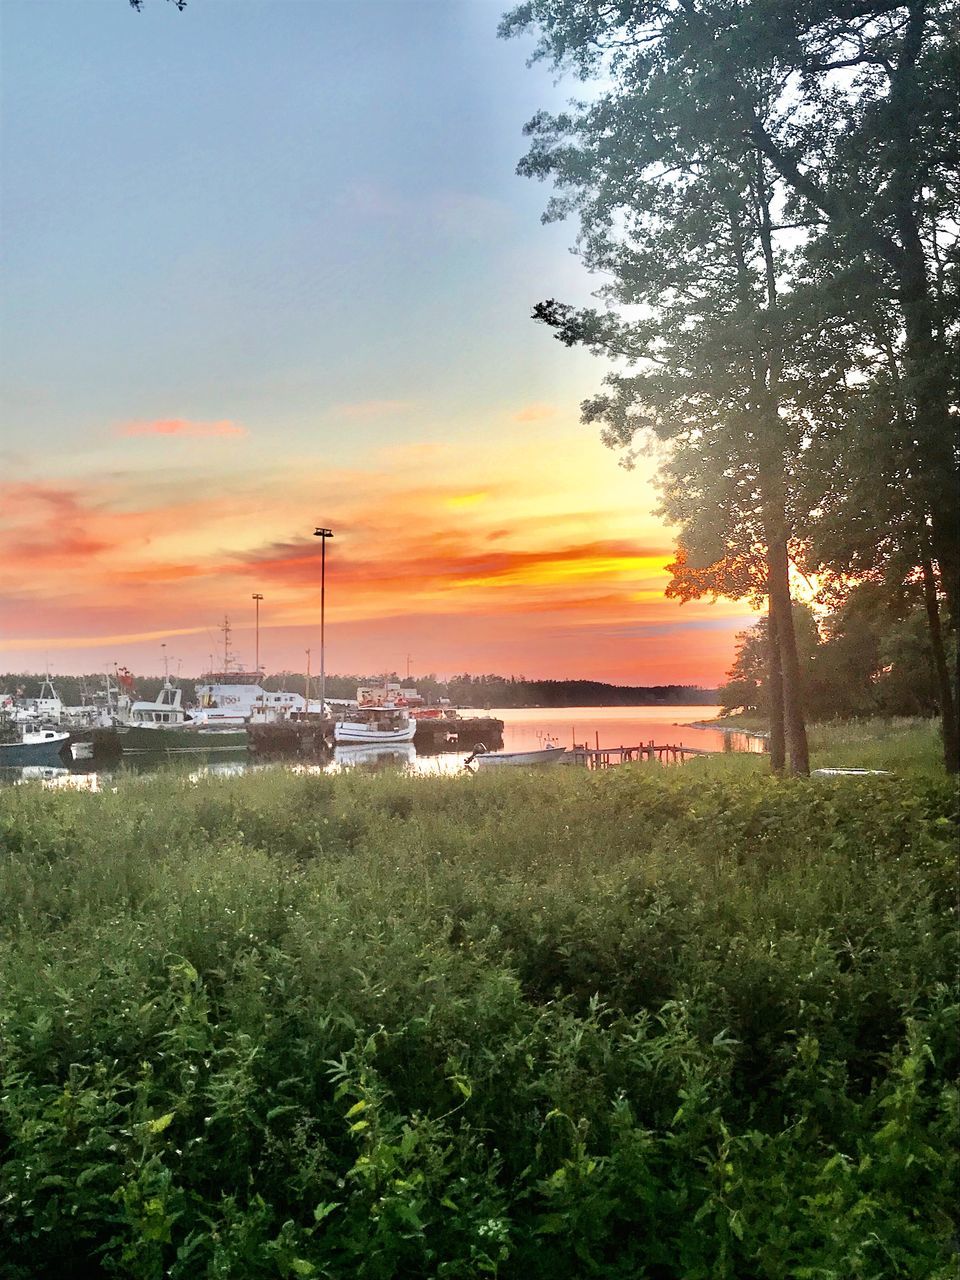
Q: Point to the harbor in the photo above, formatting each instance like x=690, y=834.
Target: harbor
x=591, y=738
x=237, y=717
x=233, y=714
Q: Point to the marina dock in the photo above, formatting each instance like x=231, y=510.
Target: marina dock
x=313, y=735
x=607, y=757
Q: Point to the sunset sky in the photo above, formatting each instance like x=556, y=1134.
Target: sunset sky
x=268, y=265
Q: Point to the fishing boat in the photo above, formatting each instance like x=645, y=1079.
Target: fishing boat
x=35, y=747
x=163, y=725
x=375, y=724
x=498, y=759
x=236, y=698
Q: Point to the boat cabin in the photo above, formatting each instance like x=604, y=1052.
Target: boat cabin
x=166, y=709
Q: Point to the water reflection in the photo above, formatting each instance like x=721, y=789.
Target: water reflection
x=524, y=729
x=371, y=755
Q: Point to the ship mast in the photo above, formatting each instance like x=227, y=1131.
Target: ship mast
x=227, y=655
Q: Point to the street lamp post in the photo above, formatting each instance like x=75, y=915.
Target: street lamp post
x=257, y=597
x=323, y=535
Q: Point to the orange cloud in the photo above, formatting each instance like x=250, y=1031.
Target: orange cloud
x=468, y=571
x=181, y=427
x=443, y=570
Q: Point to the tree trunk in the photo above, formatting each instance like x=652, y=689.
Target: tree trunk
x=926, y=360
x=928, y=386
x=778, y=568
x=948, y=704
x=774, y=692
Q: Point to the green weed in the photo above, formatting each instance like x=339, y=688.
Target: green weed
x=665, y=1023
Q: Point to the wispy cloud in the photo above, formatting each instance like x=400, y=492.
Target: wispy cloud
x=370, y=408
x=181, y=427
x=535, y=413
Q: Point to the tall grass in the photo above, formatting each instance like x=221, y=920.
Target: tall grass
x=688, y=1023
x=902, y=744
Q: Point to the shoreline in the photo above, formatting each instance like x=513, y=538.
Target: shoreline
x=726, y=728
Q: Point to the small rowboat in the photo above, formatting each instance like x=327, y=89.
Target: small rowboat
x=497, y=759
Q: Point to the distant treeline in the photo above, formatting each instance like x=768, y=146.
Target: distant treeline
x=461, y=690
x=514, y=691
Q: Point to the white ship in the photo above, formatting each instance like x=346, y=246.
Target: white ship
x=375, y=724
x=231, y=699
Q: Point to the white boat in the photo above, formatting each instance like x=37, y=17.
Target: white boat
x=40, y=747
x=375, y=724
x=163, y=725
x=232, y=699
x=499, y=759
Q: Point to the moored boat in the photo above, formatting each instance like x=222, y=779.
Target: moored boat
x=233, y=699
x=499, y=759
x=375, y=724
x=35, y=747
x=163, y=725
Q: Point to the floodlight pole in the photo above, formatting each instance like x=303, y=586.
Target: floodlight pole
x=256, y=666
x=323, y=535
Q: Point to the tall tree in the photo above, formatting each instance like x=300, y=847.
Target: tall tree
x=870, y=144
x=678, y=208
x=863, y=472
x=853, y=111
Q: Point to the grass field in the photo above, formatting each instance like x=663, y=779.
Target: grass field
x=645, y=1023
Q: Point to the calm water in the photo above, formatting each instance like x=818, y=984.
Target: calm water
x=527, y=728
x=524, y=729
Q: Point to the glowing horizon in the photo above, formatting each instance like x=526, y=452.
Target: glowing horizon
x=555, y=575
x=243, y=312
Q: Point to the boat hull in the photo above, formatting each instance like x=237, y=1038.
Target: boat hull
x=176, y=741
x=521, y=759
x=347, y=732
x=16, y=754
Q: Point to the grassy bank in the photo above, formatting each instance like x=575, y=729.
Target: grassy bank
x=666, y=1023
x=905, y=745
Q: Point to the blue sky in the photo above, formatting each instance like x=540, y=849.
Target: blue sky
x=268, y=262
x=312, y=202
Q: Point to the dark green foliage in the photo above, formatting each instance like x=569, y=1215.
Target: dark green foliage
x=698, y=1024
x=871, y=657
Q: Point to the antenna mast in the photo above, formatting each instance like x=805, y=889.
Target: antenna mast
x=227, y=655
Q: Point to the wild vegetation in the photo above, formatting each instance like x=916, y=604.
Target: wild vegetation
x=669, y=1023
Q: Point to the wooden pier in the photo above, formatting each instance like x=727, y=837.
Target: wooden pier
x=606, y=757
